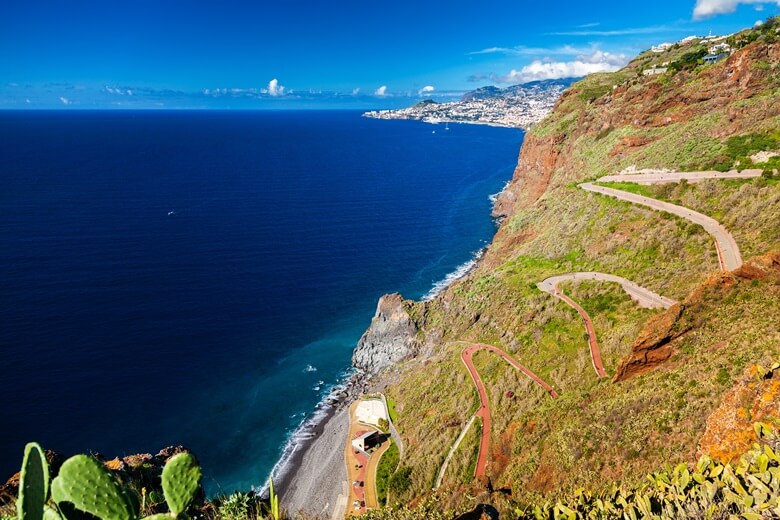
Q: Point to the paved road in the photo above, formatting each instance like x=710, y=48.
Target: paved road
x=644, y=297
x=484, y=408
x=663, y=177
x=729, y=257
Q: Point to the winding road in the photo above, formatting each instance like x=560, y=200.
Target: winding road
x=644, y=297
x=663, y=177
x=484, y=407
x=729, y=257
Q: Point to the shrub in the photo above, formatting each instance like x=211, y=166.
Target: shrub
x=401, y=481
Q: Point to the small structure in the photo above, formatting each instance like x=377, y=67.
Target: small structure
x=371, y=411
x=367, y=441
x=715, y=58
x=662, y=47
x=720, y=48
x=654, y=71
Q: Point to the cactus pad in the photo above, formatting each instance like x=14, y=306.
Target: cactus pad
x=34, y=484
x=89, y=487
x=50, y=514
x=180, y=481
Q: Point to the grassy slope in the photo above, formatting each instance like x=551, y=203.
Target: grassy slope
x=598, y=432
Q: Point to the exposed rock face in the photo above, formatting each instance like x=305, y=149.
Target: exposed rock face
x=652, y=347
x=535, y=167
x=391, y=337
x=656, y=342
x=729, y=433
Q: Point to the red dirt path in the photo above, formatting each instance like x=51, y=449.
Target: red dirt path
x=484, y=406
x=595, y=352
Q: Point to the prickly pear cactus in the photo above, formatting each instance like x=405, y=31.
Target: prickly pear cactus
x=274, y=501
x=50, y=514
x=180, y=481
x=34, y=484
x=89, y=487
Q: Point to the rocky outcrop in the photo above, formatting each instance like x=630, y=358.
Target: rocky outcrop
x=391, y=337
x=655, y=344
x=754, y=398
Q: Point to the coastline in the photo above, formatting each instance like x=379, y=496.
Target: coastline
x=312, y=470
x=310, y=473
x=448, y=120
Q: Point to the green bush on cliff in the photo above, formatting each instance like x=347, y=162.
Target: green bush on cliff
x=384, y=471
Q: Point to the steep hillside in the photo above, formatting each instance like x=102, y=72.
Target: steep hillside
x=670, y=370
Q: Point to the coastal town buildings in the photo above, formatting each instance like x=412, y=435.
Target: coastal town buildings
x=516, y=107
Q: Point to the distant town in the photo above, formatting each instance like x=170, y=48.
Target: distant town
x=519, y=106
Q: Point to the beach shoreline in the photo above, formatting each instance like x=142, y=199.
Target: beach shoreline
x=311, y=473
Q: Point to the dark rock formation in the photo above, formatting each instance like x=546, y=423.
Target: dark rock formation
x=391, y=337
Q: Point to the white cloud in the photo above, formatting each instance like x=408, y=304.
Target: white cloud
x=599, y=61
x=707, y=8
x=616, y=32
x=356, y=91
x=427, y=89
x=381, y=91
x=274, y=88
x=65, y=101
x=522, y=50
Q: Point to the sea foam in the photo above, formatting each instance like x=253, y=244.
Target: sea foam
x=461, y=271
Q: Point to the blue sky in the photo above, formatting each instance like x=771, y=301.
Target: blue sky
x=52, y=47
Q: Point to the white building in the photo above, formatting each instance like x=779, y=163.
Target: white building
x=720, y=48
x=654, y=71
x=367, y=441
x=662, y=47
x=370, y=411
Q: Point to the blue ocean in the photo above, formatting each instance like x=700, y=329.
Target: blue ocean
x=201, y=278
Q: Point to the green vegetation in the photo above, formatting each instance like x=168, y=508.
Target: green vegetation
x=84, y=486
x=745, y=207
x=237, y=506
x=400, y=481
x=739, y=149
x=33, y=484
x=85, y=489
x=391, y=409
x=470, y=446
x=750, y=490
x=690, y=60
x=709, y=490
x=384, y=471
x=767, y=32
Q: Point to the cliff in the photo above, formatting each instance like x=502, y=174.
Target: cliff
x=670, y=370
x=390, y=338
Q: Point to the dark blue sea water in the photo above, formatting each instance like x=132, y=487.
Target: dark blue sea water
x=201, y=278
